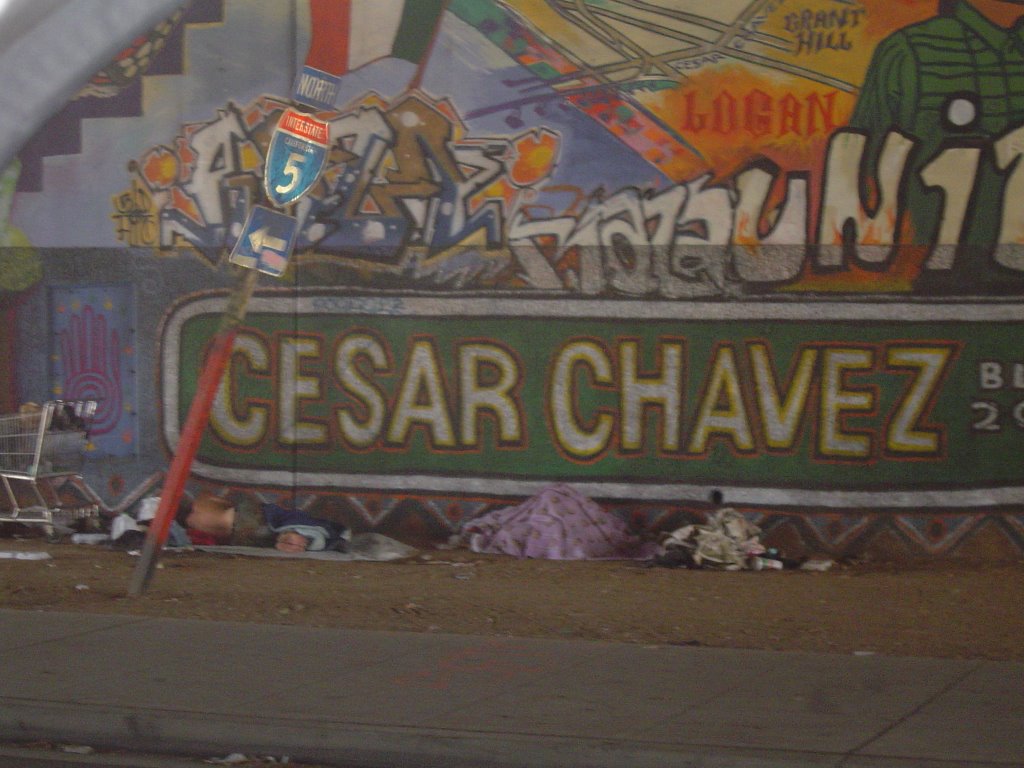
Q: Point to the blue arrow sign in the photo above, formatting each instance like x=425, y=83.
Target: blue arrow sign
x=266, y=242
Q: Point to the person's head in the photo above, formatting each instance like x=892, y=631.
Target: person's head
x=291, y=541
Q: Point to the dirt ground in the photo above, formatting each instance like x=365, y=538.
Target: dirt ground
x=949, y=608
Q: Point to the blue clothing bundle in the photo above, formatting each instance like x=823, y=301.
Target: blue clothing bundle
x=322, y=534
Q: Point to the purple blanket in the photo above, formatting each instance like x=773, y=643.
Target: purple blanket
x=558, y=523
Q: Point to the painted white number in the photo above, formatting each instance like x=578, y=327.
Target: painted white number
x=292, y=170
x=989, y=416
x=988, y=419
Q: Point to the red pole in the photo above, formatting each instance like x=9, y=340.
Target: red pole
x=192, y=432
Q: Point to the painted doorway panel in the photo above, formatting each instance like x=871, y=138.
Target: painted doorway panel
x=93, y=357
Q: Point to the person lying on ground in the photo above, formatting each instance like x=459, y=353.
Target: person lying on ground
x=211, y=520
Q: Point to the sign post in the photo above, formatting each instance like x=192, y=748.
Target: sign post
x=295, y=159
x=192, y=431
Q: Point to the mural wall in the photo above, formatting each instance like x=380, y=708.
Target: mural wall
x=772, y=247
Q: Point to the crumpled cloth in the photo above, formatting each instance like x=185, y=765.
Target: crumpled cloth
x=558, y=523
x=728, y=541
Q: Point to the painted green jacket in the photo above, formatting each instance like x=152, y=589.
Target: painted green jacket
x=953, y=79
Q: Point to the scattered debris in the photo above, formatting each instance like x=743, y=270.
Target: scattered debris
x=454, y=542
x=7, y=555
x=89, y=538
x=234, y=758
x=816, y=565
x=124, y=524
x=728, y=542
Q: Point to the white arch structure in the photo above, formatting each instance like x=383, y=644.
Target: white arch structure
x=50, y=48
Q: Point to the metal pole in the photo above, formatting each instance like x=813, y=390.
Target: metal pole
x=192, y=431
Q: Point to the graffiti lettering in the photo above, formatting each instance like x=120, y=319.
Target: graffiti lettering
x=815, y=42
x=397, y=177
x=869, y=234
x=747, y=419
x=599, y=398
x=810, y=21
x=694, y=240
x=405, y=191
x=354, y=304
x=677, y=243
x=842, y=208
x=758, y=113
x=361, y=416
x=816, y=31
x=402, y=180
x=698, y=62
x=135, y=215
x=217, y=158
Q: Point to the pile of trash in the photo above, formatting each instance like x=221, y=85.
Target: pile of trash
x=728, y=541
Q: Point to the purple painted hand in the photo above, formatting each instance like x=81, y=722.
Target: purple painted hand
x=92, y=367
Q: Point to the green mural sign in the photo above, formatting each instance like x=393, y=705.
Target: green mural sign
x=838, y=401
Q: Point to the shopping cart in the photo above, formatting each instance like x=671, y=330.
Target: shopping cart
x=41, y=451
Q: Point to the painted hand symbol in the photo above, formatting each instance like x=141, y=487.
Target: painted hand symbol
x=92, y=367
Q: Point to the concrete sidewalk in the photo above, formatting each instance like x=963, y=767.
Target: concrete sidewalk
x=421, y=700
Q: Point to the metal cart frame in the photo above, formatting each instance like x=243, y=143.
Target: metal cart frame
x=41, y=450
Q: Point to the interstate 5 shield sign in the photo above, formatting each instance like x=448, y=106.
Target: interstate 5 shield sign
x=297, y=154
